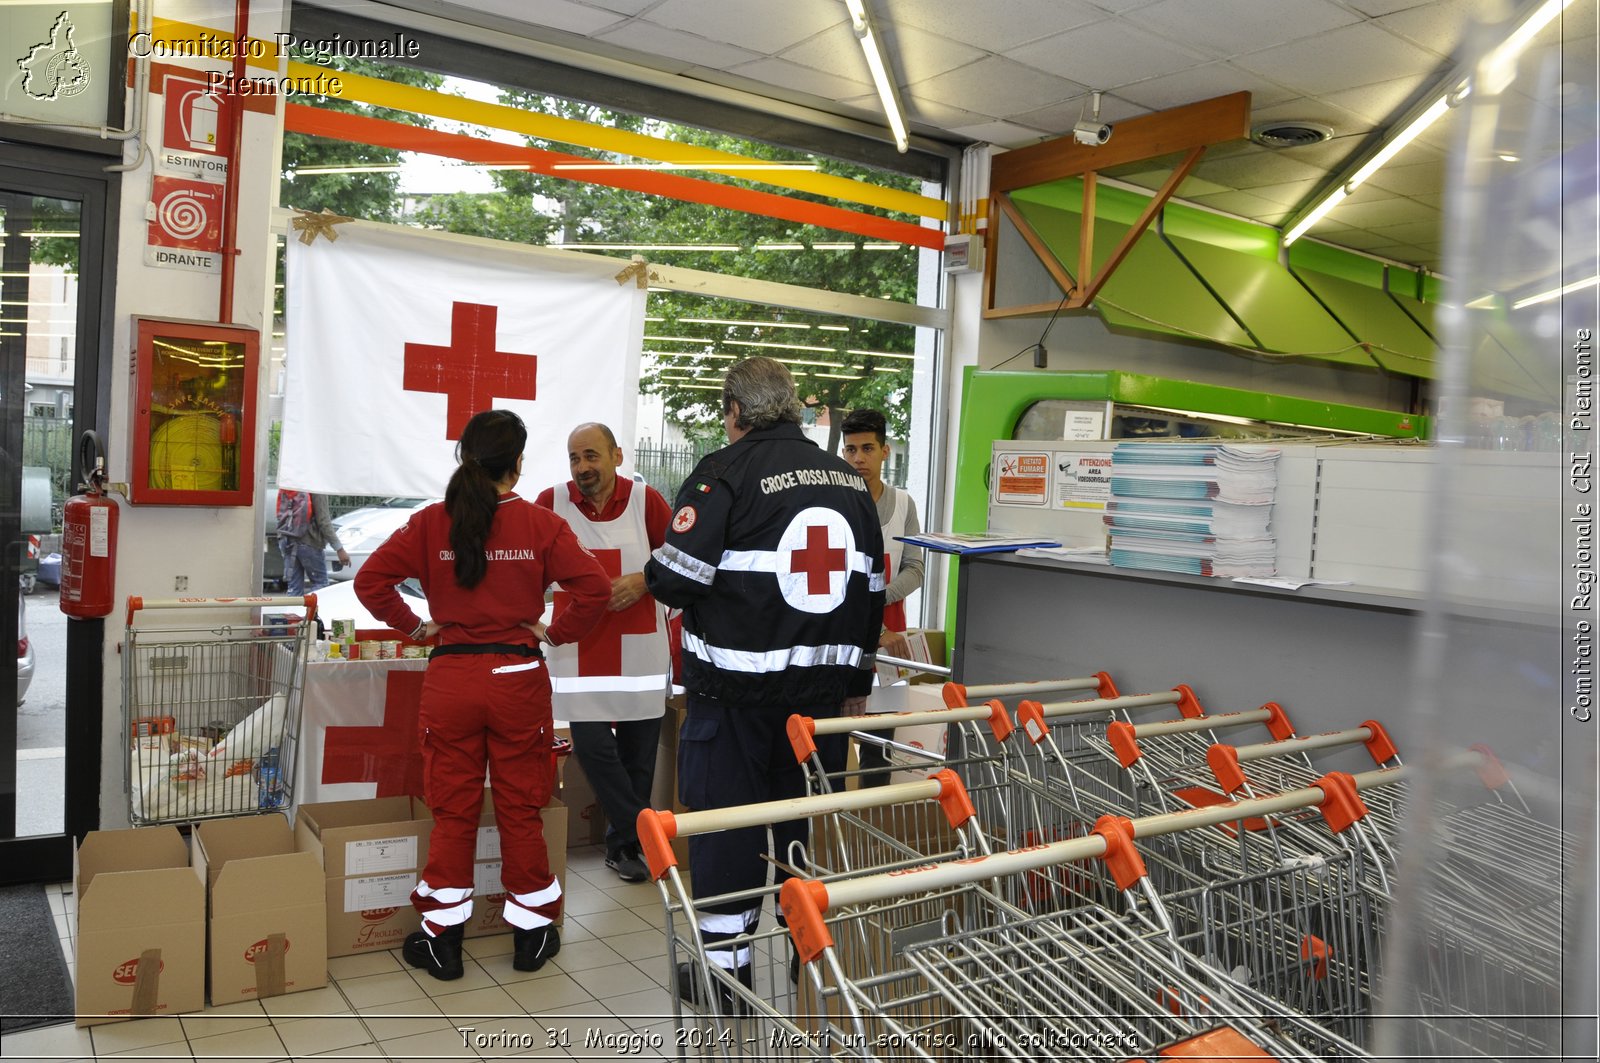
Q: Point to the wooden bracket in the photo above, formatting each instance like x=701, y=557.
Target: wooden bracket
x=1189, y=129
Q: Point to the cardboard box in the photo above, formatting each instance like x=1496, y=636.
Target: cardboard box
x=380, y=834
x=267, y=920
x=488, y=894
x=588, y=819
x=921, y=644
x=141, y=934
x=677, y=712
x=371, y=853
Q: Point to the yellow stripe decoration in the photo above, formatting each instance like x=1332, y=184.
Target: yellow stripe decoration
x=381, y=93
x=206, y=42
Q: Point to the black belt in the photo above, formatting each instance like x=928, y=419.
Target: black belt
x=513, y=649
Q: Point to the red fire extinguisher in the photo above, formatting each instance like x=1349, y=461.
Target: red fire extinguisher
x=89, y=540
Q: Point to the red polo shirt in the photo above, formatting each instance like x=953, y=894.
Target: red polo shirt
x=657, y=513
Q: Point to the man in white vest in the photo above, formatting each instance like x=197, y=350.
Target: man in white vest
x=611, y=687
x=864, y=434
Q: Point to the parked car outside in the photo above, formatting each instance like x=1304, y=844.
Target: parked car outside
x=24, y=650
x=338, y=601
x=272, y=557
x=362, y=531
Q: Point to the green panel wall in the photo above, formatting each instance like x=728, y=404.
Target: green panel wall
x=1152, y=290
x=1272, y=304
x=1397, y=342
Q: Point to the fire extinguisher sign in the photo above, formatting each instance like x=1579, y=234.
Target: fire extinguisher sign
x=187, y=190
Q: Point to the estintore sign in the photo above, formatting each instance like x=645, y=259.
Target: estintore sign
x=189, y=132
x=185, y=227
x=192, y=116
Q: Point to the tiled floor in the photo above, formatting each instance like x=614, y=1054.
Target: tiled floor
x=605, y=987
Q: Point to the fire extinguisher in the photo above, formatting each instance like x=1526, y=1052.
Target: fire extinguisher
x=89, y=540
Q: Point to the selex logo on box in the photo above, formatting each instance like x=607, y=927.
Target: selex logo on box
x=127, y=973
x=377, y=915
x=260, y=947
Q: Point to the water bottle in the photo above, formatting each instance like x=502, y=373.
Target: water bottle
x=269, y=781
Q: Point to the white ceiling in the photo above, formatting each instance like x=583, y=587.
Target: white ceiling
x=1015, y=72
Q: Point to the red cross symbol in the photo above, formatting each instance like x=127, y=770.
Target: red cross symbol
x=816, y=560
x=470, y=372
x=387, y=755
x=600, y=651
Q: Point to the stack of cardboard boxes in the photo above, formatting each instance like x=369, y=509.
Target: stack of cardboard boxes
x=273, y=903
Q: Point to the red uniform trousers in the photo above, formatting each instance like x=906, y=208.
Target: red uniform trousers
x=477, y=711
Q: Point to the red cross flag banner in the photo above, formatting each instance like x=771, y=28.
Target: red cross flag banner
x=396, y=337
x=358, y=735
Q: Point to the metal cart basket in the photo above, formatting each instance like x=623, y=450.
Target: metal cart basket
x=211, y=704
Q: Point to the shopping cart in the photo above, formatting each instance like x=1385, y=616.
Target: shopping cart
x=1082, y=983
x=211, y=705
x=885, y=829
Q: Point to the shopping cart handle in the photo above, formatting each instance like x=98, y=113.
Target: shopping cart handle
x=308, y=602
x=1124, y=737
x=658, y=829
x=958, y=696
x=803, y=730
x=1371, y=734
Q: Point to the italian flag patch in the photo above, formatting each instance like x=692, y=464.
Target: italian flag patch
x=704, y=489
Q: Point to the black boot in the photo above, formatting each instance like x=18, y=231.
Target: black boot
x=440, y=956
x=533, y=947
x=691, y=990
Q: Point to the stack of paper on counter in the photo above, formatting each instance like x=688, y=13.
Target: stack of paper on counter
x=1202, y=509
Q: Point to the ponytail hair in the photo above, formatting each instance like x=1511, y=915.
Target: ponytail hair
x=488, y=449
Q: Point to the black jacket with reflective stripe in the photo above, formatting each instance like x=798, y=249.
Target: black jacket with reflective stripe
x=775, y=555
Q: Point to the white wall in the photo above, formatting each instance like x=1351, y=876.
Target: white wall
x=214, y=549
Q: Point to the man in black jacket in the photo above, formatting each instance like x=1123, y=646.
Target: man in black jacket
x=775, y=555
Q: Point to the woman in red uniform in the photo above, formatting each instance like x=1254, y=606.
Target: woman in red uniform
x=484, y=557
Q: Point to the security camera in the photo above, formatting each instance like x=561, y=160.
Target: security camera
x=1091, y=134
x=1090, y=131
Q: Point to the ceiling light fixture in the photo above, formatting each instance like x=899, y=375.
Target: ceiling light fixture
x=781, y=346
x=878, y=63
x=1556, y=293
x=882, y=354
x=1500, y=65
x=1492, y=76
x=742, y=324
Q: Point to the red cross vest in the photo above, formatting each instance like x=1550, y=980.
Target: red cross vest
x=619, y=670
x=894, y=613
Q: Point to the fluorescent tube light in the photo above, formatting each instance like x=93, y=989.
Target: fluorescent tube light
x=1493, y=74
x=878, y=64
x=1500, y=65
x=1556, y=293
x=1392, y=147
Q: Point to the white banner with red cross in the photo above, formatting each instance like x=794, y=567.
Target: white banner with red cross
x=358, y=731
x=396, y=337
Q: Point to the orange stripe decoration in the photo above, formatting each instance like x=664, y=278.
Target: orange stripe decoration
x=362, y=89
x=378, y=132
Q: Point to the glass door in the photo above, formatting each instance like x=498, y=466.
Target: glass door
x=51, y=231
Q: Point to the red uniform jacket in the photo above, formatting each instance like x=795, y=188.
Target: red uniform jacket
x=529, y=548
